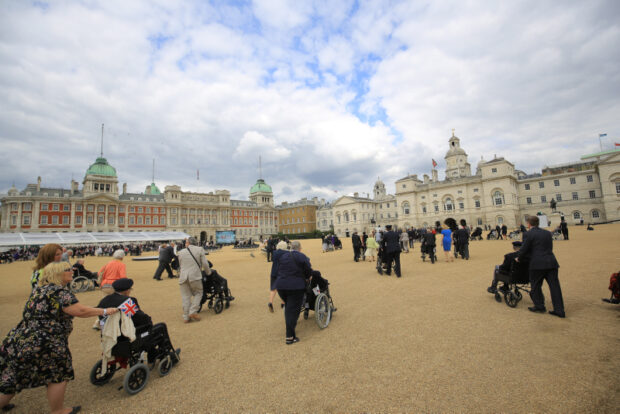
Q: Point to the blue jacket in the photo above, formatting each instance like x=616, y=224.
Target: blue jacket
x=293, y=268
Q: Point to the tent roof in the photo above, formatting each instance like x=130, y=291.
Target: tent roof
x=24, y=239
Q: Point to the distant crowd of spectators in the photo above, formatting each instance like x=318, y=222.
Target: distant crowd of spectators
x=31, y=252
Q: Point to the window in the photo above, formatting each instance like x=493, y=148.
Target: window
x=121, y=220
x=558, y=197
x=406, y=208
x=173, y=221
x=132, y=209
x=528, y=200
x=111, y=209
x=617, y=188
x=54, y=219
x=66, y=207
x=477, y=203
x=162, y=210
x=78, y=219
x=476, y=190
x=573, y=180
x=90, y=208
x=592, y=194
x=155, y=220
x=65, y=219
x=96, y=186
x=100, y=219
x=44, y=206
x=543, y=199
x=595, y=214
x=140, y=209
x=424, y=210
x=89, y=219
x=448, y=206
x=541, y=184
x=461, y=206
x=480, y=222
x=56, y=207
x=140, y=220
x=27, y=206
x=163, y=221
x=121, y=209
x=148, y=210
x=493, y=170
x=575, y=196
x=78, y=207
x=388, y=205
x=436, y=208
x=498, y=198
x=43, y=219
x=110, y=219
x=155, y=210
x=100, y=208
x=589, y=179
x=147, y=220
x=577, y=215
x=26, y=220
x=527, y=186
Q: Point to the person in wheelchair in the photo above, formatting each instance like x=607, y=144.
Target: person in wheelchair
x=507, y=266
x=316, y=283
x=80, y=270
x=157, y=340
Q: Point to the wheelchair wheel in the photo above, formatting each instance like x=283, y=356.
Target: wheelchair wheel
x=164, y=367
x=511, y=299
x=498, y=297
x=322, y=310
x=518, y=294
x=136, y=379
x=218, y=306
x=79, y=284
x=95, y=374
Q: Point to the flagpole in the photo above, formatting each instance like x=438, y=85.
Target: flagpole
x=600, y=143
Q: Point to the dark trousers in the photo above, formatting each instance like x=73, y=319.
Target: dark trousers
x=565, y=234
x=496, y=273
x=551, y=276
x=356, y=252
x=269, y=254
x=293, y=299
x=160, y=270
x=393, y=257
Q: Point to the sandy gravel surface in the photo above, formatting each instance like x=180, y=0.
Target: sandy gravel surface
x=433, y=341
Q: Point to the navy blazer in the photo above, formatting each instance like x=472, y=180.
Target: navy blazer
x=293, y=268
x=538, y=247
x=391, y=242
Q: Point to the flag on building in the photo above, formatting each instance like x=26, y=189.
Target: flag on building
x=434, y=163
x=129, y=307
x=617, y=144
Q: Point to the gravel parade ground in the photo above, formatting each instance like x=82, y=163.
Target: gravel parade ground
x=433, y=341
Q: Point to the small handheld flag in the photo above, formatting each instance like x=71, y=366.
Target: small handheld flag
x=129, y=307
x=434, y=163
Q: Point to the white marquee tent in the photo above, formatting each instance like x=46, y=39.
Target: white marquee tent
x=26, y=239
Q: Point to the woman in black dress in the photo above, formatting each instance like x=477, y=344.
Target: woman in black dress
x=36, y=352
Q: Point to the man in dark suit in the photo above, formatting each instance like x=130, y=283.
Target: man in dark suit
x=498, y=230
x=391, y=248
x=357, y=246
x=564, y=228
x=538, y=247
x=166, y=253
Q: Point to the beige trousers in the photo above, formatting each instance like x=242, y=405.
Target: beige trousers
x=191, y=294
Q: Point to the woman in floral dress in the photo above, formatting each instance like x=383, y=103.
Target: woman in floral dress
x=36, y=352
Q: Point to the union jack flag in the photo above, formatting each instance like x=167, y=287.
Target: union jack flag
x=129, y=307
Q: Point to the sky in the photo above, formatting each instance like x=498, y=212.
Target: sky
x=330, y=94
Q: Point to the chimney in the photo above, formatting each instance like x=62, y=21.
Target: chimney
x=425, y=178
x=74, y=186
x=39, y=183
x=124, y=188
x=435, y=173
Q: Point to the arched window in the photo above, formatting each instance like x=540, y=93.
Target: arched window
x=346, y=217
x=595, y=214
x=577, y=215
x=500, y=220
x=448, y=205
x=498, y=198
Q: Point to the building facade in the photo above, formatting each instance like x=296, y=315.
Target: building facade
x=99, y=207
x=299, y=216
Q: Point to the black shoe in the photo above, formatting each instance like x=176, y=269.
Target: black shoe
x=492, y=290
x=292, y=341
x=537, y=310
x=270, y=305
x=8, y=407
x=558, y=314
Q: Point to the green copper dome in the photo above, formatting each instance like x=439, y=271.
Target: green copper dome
x=260, y=186
x=101, y=167
x=154, y=189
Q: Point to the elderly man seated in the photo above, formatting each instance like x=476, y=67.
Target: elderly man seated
x=80, y=270
x=141, y=321
x=508, y=265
